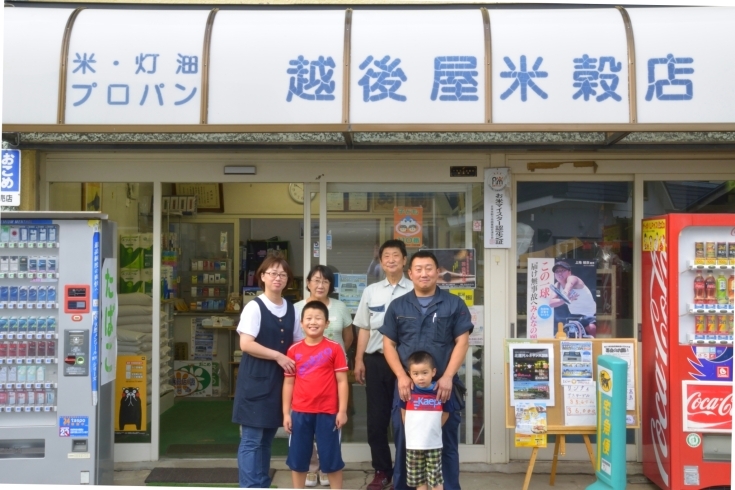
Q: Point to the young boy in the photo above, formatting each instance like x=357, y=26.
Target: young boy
x=317, y=393
x=423, y=418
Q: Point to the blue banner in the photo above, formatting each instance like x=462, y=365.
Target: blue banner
x=94, y=347
x=10, y=178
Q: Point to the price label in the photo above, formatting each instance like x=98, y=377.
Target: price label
x=36, y=409
x=21, y=245
x=11, y=245
x=21, y=275
x=46, y=409
x=31, y=244
x=18, y=409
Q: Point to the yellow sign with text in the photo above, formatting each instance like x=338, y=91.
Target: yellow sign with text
x=654, y=235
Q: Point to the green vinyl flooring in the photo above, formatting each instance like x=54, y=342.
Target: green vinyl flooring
x=202, y=428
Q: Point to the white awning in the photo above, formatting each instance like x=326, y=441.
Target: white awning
x=440, y=69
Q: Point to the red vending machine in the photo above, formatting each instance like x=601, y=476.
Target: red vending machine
x=688, y=265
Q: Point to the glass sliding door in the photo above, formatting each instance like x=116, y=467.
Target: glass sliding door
x=360, y=217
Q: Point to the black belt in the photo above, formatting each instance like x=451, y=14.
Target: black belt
x=374, y=354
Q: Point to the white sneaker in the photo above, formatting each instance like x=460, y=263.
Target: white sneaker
x=311, y=479
x=323, y=479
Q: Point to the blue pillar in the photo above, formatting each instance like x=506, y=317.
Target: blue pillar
x=612, y=379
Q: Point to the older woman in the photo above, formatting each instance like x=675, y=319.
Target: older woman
x=320, y=283
x=268, y=326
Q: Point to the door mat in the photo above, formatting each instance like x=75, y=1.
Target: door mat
x=202, y=450
x=195, y=477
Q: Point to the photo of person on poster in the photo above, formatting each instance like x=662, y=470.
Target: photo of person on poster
x=572, y=297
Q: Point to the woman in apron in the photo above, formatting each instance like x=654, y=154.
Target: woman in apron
x=268, y=326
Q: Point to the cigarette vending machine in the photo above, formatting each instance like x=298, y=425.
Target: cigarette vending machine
x=688, y=265
x=55, y=417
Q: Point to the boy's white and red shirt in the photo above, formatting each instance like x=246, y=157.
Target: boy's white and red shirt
x=423, y=424
x=315, y=387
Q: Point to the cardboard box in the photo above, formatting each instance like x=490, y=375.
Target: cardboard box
x=130, y=281
x=131, y=255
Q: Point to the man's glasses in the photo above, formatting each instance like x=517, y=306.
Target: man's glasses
x=273, y=274
x=320, y=282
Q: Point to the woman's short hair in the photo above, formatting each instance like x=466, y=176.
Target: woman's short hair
x=326, y=274
x=273, y=260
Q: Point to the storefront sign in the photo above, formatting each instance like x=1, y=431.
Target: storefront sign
x=407, y=66
x=497, y=208
x=10, y=178
x=108, y=343
x=131, y=395
x=707, y=406
x=409, y=225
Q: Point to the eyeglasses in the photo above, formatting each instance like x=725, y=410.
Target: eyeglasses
x=273, y=274
x=320, y=282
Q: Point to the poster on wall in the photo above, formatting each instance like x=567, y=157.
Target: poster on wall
x=624, y=352
x=580, y=404
x=457, y=267
x=351, y=287
x=531, y=424
x=531, y=373
x=196, y=379
x=497, y=208
x=561, y=294
x=576, y=362
x=131, y=394
x=409, y=225
x=203, y=341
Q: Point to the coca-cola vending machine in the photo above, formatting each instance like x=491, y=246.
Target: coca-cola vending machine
x=688, y=265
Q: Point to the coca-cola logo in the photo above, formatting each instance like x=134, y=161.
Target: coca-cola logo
x=659, y=320
x=707, y=407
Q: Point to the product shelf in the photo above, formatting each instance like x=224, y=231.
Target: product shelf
x=700, y=309
x=709, y=339
x=692, y=266
x=29, y=336
x=29, y=245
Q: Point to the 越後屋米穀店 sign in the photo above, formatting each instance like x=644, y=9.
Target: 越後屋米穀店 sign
x=409, y=66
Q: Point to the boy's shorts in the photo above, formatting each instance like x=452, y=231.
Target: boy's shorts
x=424, y=467
x=305, y=428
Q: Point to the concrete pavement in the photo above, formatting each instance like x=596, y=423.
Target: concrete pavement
x=570, y=475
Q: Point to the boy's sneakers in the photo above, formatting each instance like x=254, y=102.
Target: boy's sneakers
x=381, y=481
x=323, y=479
x=311, y=479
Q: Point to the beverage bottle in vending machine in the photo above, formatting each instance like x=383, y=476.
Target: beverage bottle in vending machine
x=730, y=292
x=699, y=295
x=721, y=289
x=710, y=289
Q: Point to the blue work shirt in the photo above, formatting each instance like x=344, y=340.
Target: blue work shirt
x=446, y=318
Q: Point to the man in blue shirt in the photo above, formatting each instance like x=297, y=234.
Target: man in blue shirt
x=432, y=320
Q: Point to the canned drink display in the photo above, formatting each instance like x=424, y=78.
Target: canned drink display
x=13, y=324
x=31, y=371
x=731, y=252
x=3, y=374
x=51, y=324
x=41, y=264
x=42, y=234
x=722, y=253
x=23, y=264
x=50, y=397
x=40, y=373
x=33, y=294
x=11, y=398
x=3, y=349
x=13, y=349
x=32, y=234
x=41, y=348
x=711, y=323
x=23, y=234
x=710, y=251
x=40, y=397
x=21, y=398
x=13, y=264
x=3, y=398
x=21, y=373
x=4, y=294
x=41, y=294
x=33, y=264
x=51, y=293
x=32, y=325
x=4, y=325
x=41, y=322
x=31, y=397
x=52, y=233
x=23, y=325
x=722, y=327
x=23, y=348
x=50, y=348
x=13, y=294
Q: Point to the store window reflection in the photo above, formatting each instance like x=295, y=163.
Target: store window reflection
x=130, y=206
x=663, y=197
x=440, y=218
x=574, y=257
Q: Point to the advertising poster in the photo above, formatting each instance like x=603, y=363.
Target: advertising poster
x=130, y=395
x=457, y=267
x=624, y=352
x=467, y=295
x=580, y=405
x=477, y=337
x=576, y=362
x=531, y=424
x=350, y=289
x=654, y=235
x=409, y=225
x=540, y=316
x=569, y=292
x=196, y=378
x=203, y=341
x=532, y=373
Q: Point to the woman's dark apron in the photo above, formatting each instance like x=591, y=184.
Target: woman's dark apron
x=258, y=394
